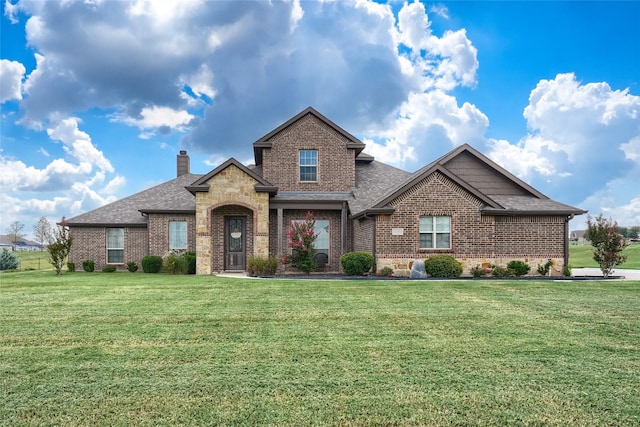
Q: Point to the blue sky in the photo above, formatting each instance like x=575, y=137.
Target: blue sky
x=99, y=96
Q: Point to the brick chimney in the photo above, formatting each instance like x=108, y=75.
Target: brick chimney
x=183, y=163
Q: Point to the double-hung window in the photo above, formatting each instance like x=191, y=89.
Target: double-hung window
x=435, y=232
x=177, y=235
x=308, y=165
x=115, y=245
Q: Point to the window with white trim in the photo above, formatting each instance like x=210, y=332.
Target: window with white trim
x=435, y=232
x=177, y=235
x=308, y=165
x=115, y=245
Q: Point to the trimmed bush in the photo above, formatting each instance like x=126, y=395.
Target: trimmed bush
x=8, y=260
x=442, y=266
x=356, y=263
x=109, y=269
x=543, y=270
x=259, y=266
x=88, y=265
x=190, y=259
x=71, y=266
x=385, y=272
x=519, y=268
x=497, y=271
x=152, y=264
x=132, y=267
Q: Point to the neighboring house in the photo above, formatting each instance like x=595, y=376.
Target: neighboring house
x=462, y=204
x=578, y=237
x=22, y=245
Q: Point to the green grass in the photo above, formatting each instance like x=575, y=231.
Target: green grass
x=122, y=349
x=582, y=256
x=37, y=260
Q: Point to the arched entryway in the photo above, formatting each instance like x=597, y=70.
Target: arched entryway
x=232, y=231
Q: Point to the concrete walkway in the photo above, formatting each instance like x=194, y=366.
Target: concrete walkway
x=619, y=272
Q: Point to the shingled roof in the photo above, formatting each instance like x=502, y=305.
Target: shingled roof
x=171, y=196
x=500, y=192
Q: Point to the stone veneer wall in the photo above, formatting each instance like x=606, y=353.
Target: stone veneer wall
x=475, y=240
x=90, y=243
x=229, y=187
x=336, y=163
x=218, y=232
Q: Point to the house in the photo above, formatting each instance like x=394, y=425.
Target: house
x=577, y=237
x=21, y=245
x=462, y=204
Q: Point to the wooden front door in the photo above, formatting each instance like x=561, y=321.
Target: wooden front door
x=234, y=246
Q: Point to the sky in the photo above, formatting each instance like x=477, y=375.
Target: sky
x=99, y=96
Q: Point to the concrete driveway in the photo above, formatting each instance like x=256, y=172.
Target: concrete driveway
x=627, y=274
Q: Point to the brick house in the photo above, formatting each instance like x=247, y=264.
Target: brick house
x=462, y=204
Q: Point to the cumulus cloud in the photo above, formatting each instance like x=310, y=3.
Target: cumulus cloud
x=583, y=139
x=226, y=64
x=11, y=75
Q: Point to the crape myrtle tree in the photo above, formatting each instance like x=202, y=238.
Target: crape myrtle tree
x=607, y=243
x=59, y=246
x=302, y=236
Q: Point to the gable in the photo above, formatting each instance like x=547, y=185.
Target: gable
x=484, y=178
x=232, y=173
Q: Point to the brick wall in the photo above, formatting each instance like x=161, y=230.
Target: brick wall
x=90, y=243
x=363, y=231
x=336, y=163
x=475, y=239
x=158, y=225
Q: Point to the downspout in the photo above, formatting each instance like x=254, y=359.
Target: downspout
x=566, y=241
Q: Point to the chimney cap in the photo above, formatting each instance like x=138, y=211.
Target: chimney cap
x=183, y=152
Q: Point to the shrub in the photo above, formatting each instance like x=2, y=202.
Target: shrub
x=259, y=266
x=132, y=267
x=385, y=272
x=356, y=263
x=519, y=268
x=498, y=271
x=109, y=269
x=88, y=265
x=543, y=270
x=478, y=271
x=152, y=264
x=566, y=271
x=442, y=266
x=190, y=259
x=71, y=266
x=8, y=260
x=174, y=264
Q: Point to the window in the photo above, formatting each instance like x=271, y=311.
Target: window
x=177, y=235
x=321, y=244
x=435, y=232
x=308, y=165
x=115, y=245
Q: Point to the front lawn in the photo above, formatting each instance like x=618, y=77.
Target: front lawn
x=144, y=349
x=582, y=256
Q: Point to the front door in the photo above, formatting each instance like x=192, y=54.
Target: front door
x=234, y=251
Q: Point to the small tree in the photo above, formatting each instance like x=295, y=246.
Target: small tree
x=15, y=232
x=59, y=246
x=42, y=230
x=607, y=243
x=302, y=236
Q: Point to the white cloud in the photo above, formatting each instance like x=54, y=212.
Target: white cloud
x=11, y=75
x=155, y=117
x=78, y=144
